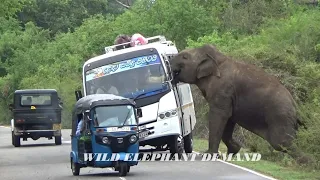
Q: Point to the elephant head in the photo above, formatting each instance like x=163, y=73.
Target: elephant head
x=191, y=65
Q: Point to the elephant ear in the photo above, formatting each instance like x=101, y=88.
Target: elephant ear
x=208, y=66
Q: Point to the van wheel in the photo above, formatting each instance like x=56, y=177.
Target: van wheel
x=57, y=140
x=123, y=169
x=75, y=168
x=16, y=140
x=188, y=143
x=176, y=146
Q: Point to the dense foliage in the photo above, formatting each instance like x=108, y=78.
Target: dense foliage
x=43, y=44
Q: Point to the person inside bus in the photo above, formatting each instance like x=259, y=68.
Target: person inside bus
x=105, y=88
x=111, y=89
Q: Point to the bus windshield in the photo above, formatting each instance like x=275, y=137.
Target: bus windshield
x=127, y=78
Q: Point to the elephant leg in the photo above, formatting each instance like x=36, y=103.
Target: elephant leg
x=217, y=121
x=282, y=140
x=232, y=145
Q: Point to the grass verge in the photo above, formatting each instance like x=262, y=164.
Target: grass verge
x=273, y=169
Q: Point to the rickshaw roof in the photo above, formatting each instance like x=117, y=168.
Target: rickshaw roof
x=90, y=101
x=35, y=91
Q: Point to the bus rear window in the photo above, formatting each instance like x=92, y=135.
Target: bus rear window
x=39, y=100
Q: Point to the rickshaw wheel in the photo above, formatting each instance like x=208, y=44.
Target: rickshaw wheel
x=75, y=168
x=123, y=169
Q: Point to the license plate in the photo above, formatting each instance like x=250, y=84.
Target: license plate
x=143, y=134
x=116, y=129
x=56, y=126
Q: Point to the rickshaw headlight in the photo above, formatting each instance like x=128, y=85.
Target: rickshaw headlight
x=133, y=139
x=105, y=140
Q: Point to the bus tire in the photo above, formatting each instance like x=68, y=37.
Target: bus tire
x=176, y=146
x=188, y=143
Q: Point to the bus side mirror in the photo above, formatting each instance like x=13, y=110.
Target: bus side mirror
x=139, y=112
x=78, y=94
x=10, y=107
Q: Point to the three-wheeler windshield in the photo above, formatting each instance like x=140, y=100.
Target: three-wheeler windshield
x=114, y=116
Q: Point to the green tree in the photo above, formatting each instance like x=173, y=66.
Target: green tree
x=9, y=8
x=61, y=15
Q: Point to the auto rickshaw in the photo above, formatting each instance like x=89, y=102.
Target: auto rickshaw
x=110, y=126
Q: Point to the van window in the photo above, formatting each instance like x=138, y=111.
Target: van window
x=38, y=100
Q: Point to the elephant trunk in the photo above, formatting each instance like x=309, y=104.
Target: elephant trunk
x=175, y=72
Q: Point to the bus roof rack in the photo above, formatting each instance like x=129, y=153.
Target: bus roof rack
x=154, y=39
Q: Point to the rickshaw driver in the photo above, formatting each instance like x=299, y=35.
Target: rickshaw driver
x=80, y=126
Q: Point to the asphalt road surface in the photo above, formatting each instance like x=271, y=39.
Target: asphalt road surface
x=42, y=159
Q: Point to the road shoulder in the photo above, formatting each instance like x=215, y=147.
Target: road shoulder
x=264, y=167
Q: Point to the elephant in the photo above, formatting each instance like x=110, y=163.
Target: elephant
x=240, y=93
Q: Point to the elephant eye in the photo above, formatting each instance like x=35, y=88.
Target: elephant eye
x=184, y=56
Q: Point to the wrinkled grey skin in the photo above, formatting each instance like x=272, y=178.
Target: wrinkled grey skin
x=240, y=94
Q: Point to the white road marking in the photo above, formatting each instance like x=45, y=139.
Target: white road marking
x=243, y=168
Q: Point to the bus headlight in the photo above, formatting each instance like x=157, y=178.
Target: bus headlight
x=105, y=140
x=168, y=114
x=133, y=139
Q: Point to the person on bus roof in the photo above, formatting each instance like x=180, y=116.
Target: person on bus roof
x=120, y=39
x=135, y=39
x=138, y=39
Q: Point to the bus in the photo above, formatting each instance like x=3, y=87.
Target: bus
x=143, y=73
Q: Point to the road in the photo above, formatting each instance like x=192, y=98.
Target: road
x=42, y=159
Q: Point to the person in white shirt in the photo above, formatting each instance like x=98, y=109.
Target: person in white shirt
x=111, y=90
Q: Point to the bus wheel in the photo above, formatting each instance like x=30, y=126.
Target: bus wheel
x=188, y=143
x=176, y=146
